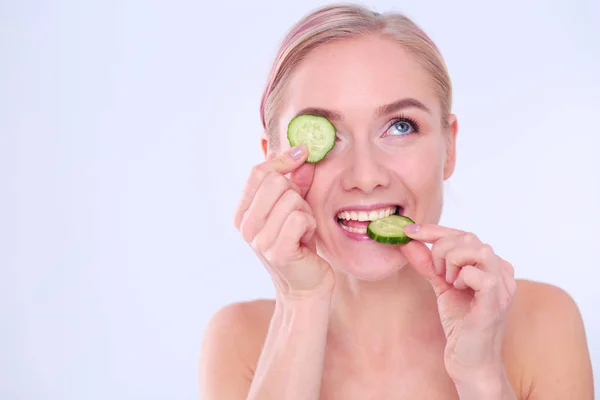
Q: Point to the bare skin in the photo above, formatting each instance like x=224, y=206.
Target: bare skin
x=354, y=319
x=544, y=353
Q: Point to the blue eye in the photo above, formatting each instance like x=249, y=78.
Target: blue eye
x=402, y=127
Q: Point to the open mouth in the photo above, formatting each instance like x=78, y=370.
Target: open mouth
x=356, y=221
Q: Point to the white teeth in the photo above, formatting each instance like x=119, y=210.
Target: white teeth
x=361, y=230
x=366, y=215
x=363, y=216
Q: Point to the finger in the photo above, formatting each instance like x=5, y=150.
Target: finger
x=508, y=276
x=429, y=233
x=420, y=258
x=444, y=245
x=508, y=268
x=283, y=163
x=471, y=277
x=267, y=195
x=303, y=177
x=286, y=248
x=484, y=284
x=439, y=251
x=479, y=255
x=290, y=201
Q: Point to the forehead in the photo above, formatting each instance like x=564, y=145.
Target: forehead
x=355, y=76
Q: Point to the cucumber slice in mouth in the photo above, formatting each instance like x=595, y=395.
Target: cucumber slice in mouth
x=313, y=131
x=390, y=230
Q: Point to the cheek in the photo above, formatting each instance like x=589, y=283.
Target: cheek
x=422, y=170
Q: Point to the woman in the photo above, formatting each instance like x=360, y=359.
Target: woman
x=353, y=318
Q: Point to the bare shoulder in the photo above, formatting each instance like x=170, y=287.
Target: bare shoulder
x=547, y=336
x=231, y=346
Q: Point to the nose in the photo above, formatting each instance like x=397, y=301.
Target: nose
x=365, y=170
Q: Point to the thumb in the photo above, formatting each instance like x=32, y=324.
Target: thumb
x=288, y=161
x=420, y=259
x=303, y=177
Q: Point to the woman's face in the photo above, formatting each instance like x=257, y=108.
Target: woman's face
x=391, y=148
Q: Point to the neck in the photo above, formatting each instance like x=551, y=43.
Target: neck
x=376, y=318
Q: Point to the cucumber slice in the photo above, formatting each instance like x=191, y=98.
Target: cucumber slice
x=313, y=131
x=389, y=230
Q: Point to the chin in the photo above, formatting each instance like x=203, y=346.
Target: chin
x=370, y=261
x=343, y=242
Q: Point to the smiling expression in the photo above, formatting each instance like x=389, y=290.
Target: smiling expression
x=392, y=152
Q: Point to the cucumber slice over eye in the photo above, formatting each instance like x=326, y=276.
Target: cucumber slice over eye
x=313, y=131
x=389, y=230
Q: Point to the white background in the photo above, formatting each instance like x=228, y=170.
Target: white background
x=127, y=129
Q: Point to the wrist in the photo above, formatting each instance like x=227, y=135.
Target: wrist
x=315, y=307
x=305, y=298
x=485, y=385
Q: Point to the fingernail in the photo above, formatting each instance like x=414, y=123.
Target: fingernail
x=412, y=228
x=296, y=152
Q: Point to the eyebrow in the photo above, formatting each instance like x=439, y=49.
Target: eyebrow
x=322, y=112
x=381, y=110
x=401, y=104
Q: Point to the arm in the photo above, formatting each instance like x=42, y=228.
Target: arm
x=290, y=365
x=474, y=289
x=490, y=386
x=277, y=222
x=553, y=352
x=559, y=363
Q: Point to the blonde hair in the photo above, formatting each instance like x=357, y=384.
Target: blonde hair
x=341, y=21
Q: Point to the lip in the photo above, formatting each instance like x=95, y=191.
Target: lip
x=355, y=236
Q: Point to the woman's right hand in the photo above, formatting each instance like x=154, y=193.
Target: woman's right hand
x=275, y=219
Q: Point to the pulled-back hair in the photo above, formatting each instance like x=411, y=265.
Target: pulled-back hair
x=342, y=21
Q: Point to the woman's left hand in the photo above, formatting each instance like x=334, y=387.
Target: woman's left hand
x=474, y=289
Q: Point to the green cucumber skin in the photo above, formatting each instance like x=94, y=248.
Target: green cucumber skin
x=388, y=240
x=402, y=239
x=313, y=157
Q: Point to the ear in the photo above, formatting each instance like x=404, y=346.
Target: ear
x=264, y=142
x=451, y=133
